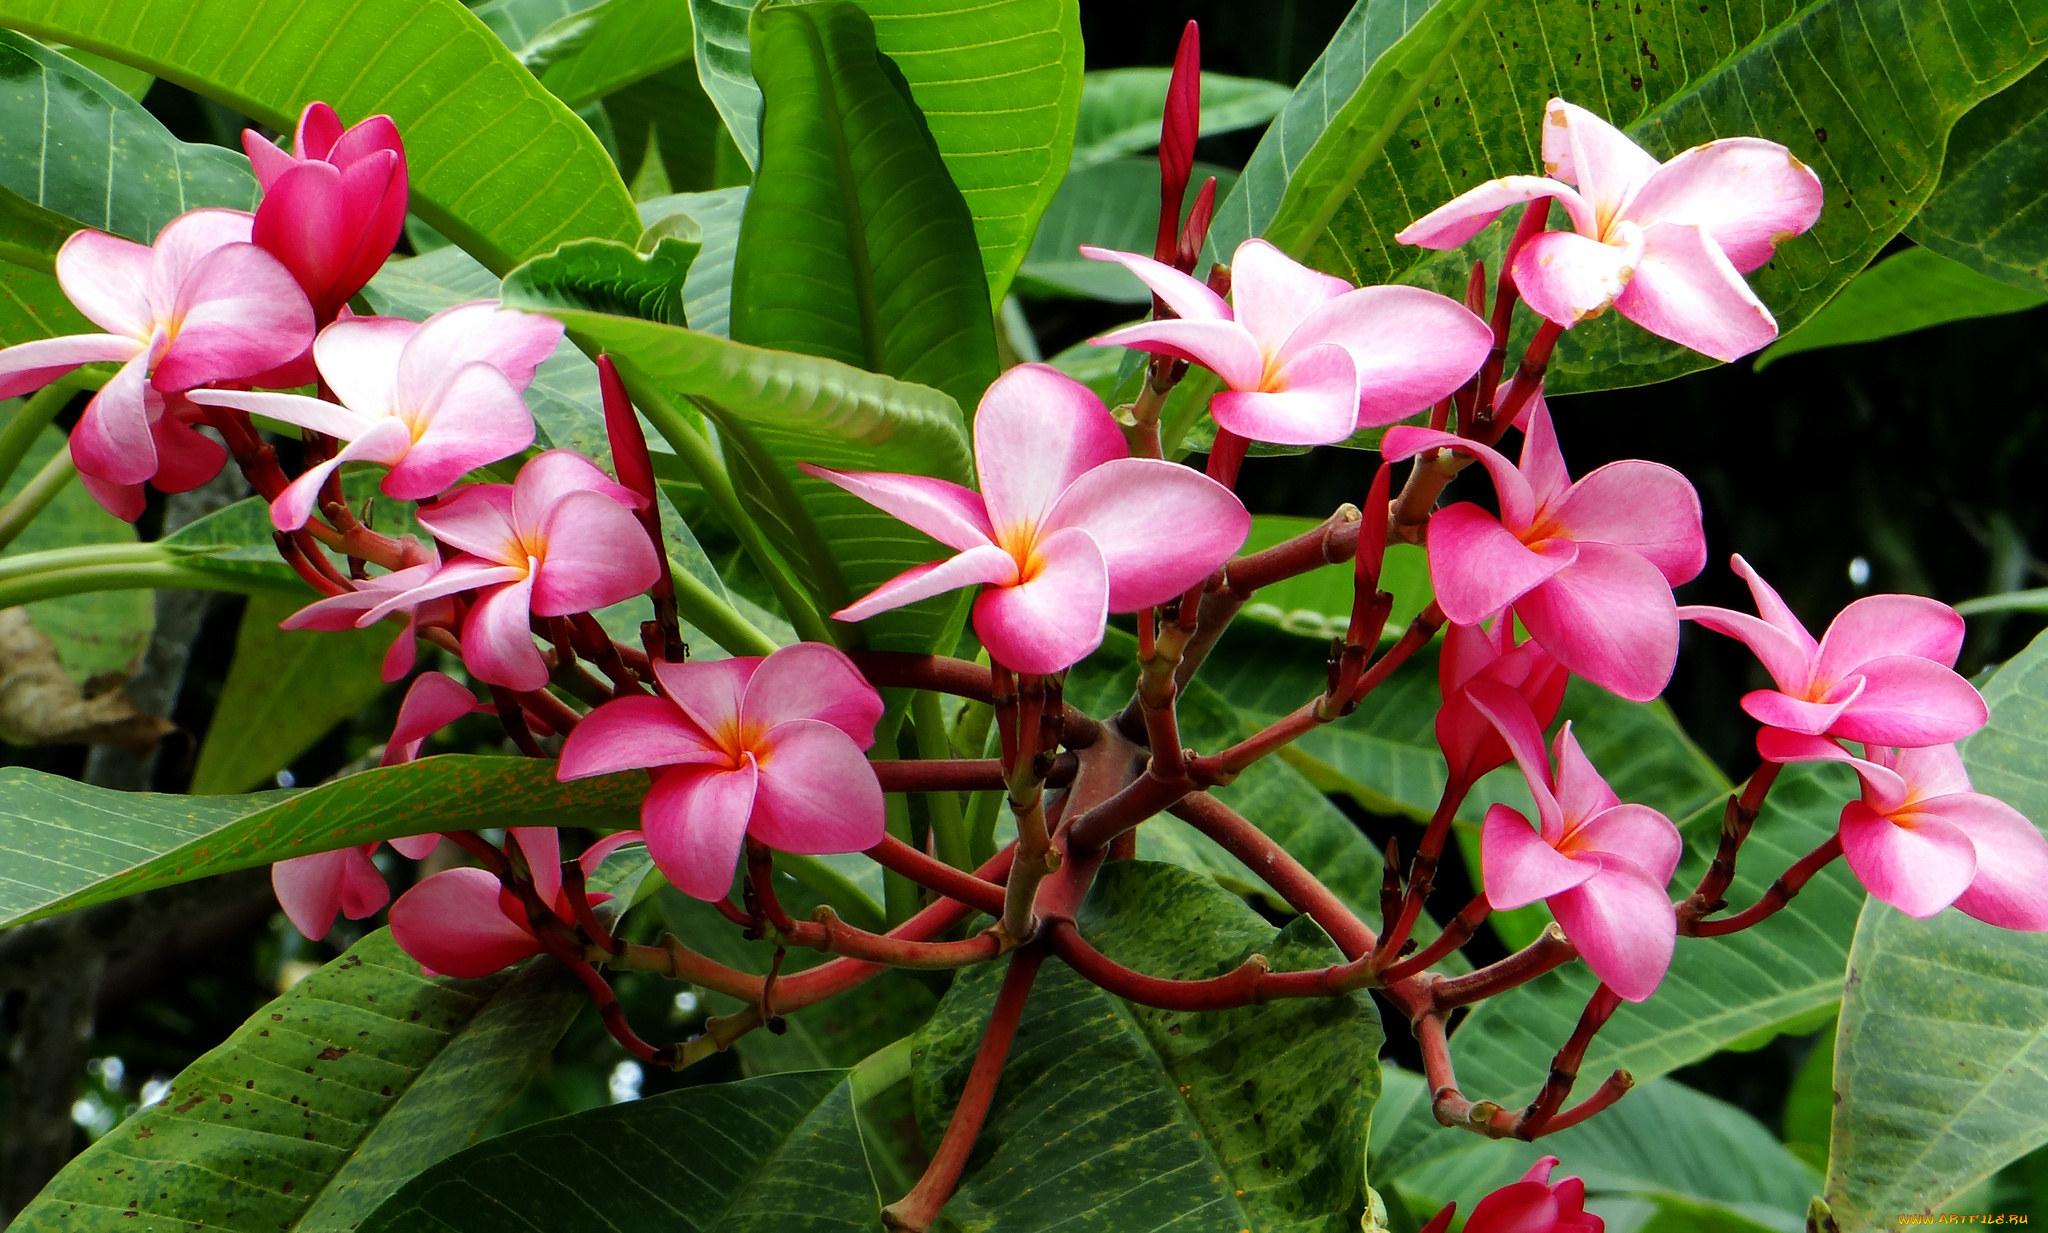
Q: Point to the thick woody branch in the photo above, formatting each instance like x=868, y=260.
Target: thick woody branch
x=946, y=675
x=899, y=857
x=961, y=774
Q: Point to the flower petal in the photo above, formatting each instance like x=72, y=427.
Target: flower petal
x=1622, y=925
x=1686, y=290
x=1056, y=617
x=497, y=638
x=123, y=501
x=1411, y=347
x=312, y=890
x=513, y=342
x=1791, y=714
x=1123, y=505
x=345, y=423
x=950, y=514
x=1271, y=294
x=1542, y=460
x=1581, y=792
x=550, y=476
x=1184, y=294
x=1789, y=663
x=695, y=819
x=359, y=359
x=986, y=564
x=1883, y=788
x=710, y=691
x=451, y=925
x=1523, y=1207
x=1222, y=347
x=464, y=573
x=1567, y=278
x=631, y=734
x=1311, y=400
x=1467, y=214
x=1918, y=868
x=416, y=847
x=1934, y=770
x=477, y=518
x=1748, y=195
x=1478, y=567
x=433, y=702
x=1638, y=833
x=1517, y=499
x=817, y=794
x=239, y=313
x=1037, y=431
x=1608, y=617
x=2010, y=889
x=32, y=365
x=1511, y=716
x=1518, y=867
x=386, y=441
x=1645, y=507
x=1909, y=701
x=1582, y=149
x=112, y=441
x=304, y=222
x=809, y=680
x=597, y=556
x=1880, y=625
x=542, y=849
x=107, y=278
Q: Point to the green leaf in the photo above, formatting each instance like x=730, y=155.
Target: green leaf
x=497, y=163
x=100, y=634
x=1111, y=204
x=285, y=690
x=1916, y=289
x=856, y=246
x=77, y=151
x=1819, y=76
x=615, y=45
x=1251, y=1118
x=132, y=82
x=671, y=138
x=323, y=1103
x=1990, y=211
x=2035, y=600
x=1941, y=1065
x=707, y=292
x=70, y=845
x=1121, y=112
x=725, y=69
x=1810, y=1104
x=605, y=276
x=32, y=305
x=776, y=1155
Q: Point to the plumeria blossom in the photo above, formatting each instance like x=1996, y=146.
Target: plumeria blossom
x=465, y=923
x=1587, y=566
x=764, y=746
x=431, y=400
x=1532, y=1205
x=202, y=304
x=1600, y=865
x=1470, y=743
x=1921, y=839
x=1883, y=673
x=334, y=207
x=559, y=539
x=312, y=890
x=186, y=457
x=1067, y=527
x=1308, y=359
x=1666, y=244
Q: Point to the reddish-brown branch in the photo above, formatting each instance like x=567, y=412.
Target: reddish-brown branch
x=1296, y=885
x=961, y=774
x=826, y=932
x=513, y=720
x=1615, y=1087
x=1457, y=931
x=579, y=903
x=899, y=857
x=1736, y=821
x=1548, y=951
x=958, y=677
x=1238, y=987
x=1564, y=1068
x=1422, y=874
x=1781, y=892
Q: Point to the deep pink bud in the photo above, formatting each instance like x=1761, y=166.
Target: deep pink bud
x=1178, y=129
x=631, y=462
x=1533, y=1205
x=1196, y=229
x=334, y=207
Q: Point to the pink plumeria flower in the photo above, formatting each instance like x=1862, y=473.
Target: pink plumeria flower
x=333, y=208
x=1470, y=743
x=431, y=400
x=1531, y=1205
x=1587, y=566
x=1308, y=359
x=1665, y=244
x=186, y=457
x=1882, y=674
x=343, y=611
x=1600, y=865
x=560, y=539
x=768, y=747
x=312, y=890
x=464, y=923
x=1920, y=839
x=201, y=304
x=1067, y=528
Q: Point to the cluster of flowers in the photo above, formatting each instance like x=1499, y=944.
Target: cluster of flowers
x=1066, y=528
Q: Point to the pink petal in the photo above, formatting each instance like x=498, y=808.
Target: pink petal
x=1540, y=1171
x=1311, y=400
x=1467, y=649
x=1789, y=664
x=549, y=477
x=318, y=414
x=385, y=442
x=1685, y=290
x=1467, y=214
x=374, y=190
x=1518, y=867
x=433, y=702
x=1037, y=431
x=497, y=642
x=319, y=128
x=695, y=819
x=594, y=856
x=1608, y=617
x=313, y=889
x=1581, y=792
x=1638, y=833
x=1123, y=504
x=1053, y=619
x=1478, y=567
x=238, y=313
x=1771, y=608
x=1524, y=1207
x=1622, y=924
x=107, y=278
x=597, y=556
x=1749, y=195
x=1566, y=277
x=630, y=734
x=1412, y=347
x=340, y=611
x=987, y=564
x=364, y=139
x=2010, y=889
x=183, y=243
x=477, y=519
x=1517, y=499
x=464, y=573
x=1222, y=347
x=1909, y=701
x=112, y=441
x=265, y=158
x=1779, y=710
x=1934, y=770
x=359, y=359
x=1645, y=507
x=710, y=692
x=185, y=457
x=817, y=794
x=510, y=341
x=809, y=680
x=950, y=514
x=1585, y=150
x=1884, y=789
x=1185, y=295
x=1542, y=460
x=543, y=852
x=1271, y=294
x=416, y=847
x=451, y=925
x=1919, y=868
x=1877, y=626
x=304, y=222
x=32, y=365
x=123, y=501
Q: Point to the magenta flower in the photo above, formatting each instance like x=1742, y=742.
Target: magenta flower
x=1665, y=244
x=768, y=747
x=1920, y=839
x=186, y=458
x=1531, y=1205
x=202, y=304
x=560, y=539
x=1600, y=865
x=334, y=207
x=1882, y=674
x=464, y=923
x=432, y=400
x=1308, y=359
x=1587, y=566
x=1067, y=528
x=1470, y=743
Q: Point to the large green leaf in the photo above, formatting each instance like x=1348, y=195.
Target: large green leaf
x=707, y=292
x=622, y=42
x=1941, y=1064
x=33, y=306
x=75, y=147
x=1821, y=76
x=1112, y=204
x=497, y=163
x=69, y=845
x=1251, y=1118
x=285, y=690
x=725, y=69
x=323, y=1103
x=1990, y=211
x=856, y=245
x=775, y=1155
x=1916, y=289
x=1121, y=112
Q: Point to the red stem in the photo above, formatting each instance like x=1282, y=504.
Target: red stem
x=1781, y=892
x=1548, y=951
x=899, y=857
